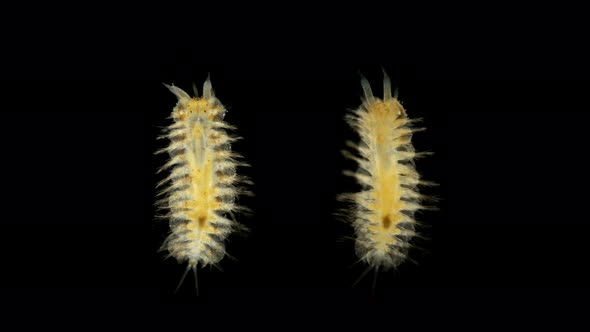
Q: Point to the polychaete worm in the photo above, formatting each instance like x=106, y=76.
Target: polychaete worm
x=382, y=213
x=198, y=196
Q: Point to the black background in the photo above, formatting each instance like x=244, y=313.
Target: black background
x=506, y=123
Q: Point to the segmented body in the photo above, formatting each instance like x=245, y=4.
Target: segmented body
x=200, y=191
x=383, y=212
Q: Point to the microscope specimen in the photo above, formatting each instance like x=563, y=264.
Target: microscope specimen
x=199, y=194
x=382, y=212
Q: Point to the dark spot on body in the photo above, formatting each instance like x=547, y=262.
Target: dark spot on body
x=386, y=221
x=178, y=138
x=202, y=221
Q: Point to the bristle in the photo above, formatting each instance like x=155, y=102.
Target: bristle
x=367, y=89
x=386, y=87
x=179, y=93
x=207, y=89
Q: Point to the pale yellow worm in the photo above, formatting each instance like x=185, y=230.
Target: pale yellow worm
x=200, y=190
x=382, y=213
